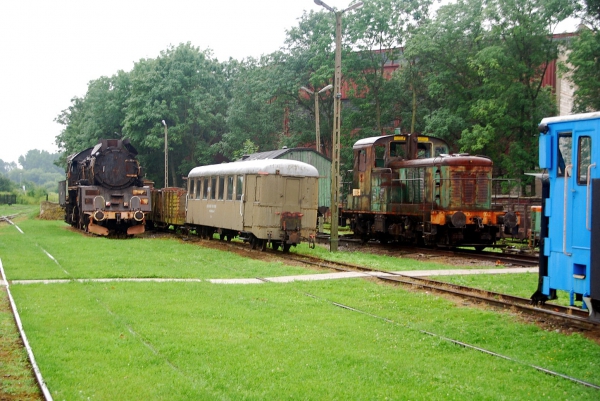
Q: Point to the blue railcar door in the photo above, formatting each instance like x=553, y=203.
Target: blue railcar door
x=570, y=211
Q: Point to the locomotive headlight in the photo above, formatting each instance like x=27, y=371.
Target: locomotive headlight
x=99, y=215
x=138, y=216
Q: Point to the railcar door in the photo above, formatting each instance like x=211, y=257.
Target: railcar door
x=249, y=198
x=570, y=207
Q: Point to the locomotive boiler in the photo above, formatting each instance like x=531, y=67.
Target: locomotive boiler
x=104, y=192
x=411, y=189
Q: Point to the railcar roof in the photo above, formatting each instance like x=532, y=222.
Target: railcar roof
x=572, y=117
x=267, y=166
x=369, y=141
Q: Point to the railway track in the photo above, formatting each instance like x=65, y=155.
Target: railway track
x=505, y=259
x=567, y=316
x=548, y=314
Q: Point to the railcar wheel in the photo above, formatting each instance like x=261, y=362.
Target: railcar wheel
x=480, y=248
x=253, y=242
x=286, y=247
x=263, y=245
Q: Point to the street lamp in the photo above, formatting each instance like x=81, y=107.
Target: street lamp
x=317, y=126
x=166, y=157
x=335, y=139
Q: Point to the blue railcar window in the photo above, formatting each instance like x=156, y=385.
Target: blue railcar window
x=565, y=150
x=584, y=159
x=239, y=187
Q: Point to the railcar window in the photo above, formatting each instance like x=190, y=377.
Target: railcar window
x=423, y=150
x=584, y=159
x=362, y=160
x=239, y=187
x=229, y=187
x=257, y=188
x=441, y=150
x=213, y=187
x=397, y=149
x=206, y=189
x=197, y=185
x=221, y=190
x=379, y=155
x=565, y=146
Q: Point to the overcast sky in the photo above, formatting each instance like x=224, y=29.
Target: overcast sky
x=51, y=49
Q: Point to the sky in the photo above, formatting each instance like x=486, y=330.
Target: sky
x=51, y=49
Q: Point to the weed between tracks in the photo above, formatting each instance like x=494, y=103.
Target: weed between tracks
x=124, y=340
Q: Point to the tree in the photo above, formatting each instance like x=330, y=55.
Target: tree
x=98, y=115
x=186, y=88
x=483, y=65
x=6, y=185
x=377, y=33
x=42, y=160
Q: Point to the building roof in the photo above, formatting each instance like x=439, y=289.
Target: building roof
x=276, y=154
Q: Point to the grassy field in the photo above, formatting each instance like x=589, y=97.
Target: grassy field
x=197, y=340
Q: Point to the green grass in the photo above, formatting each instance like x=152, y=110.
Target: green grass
x=271, y=341
x=82, y=256
x=197, y=340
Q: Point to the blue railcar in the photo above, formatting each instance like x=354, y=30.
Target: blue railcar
x=569, y=151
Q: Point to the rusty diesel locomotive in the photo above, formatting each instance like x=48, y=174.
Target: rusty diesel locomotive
x=103, y=192
x=409, y=188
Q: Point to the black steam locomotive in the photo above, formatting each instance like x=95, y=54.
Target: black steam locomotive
x=104, y=192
